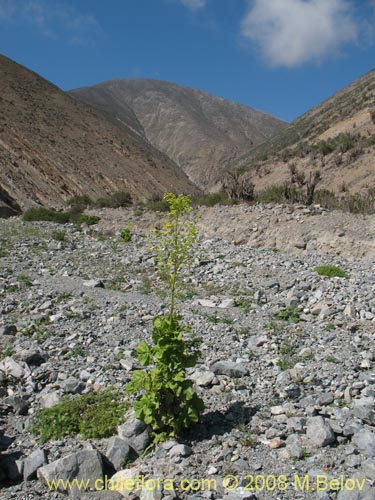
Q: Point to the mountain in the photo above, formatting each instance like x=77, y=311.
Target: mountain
x=337, y=137
x=52, y=147
x=202, y=133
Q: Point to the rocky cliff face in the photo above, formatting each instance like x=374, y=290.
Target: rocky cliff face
x=202, y=133
x=52, y=147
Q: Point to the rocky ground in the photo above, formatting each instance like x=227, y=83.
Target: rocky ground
x=290, y=406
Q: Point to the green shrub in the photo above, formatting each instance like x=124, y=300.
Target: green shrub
x=126, y=235
x=168, y=402
x=156, y=205
x=291, y=315
x=79, y=202
x=90, y=220
x=93, y=415
x=331, y=272
x=45, y=214
x=116, y=200
x=59, y=235
x=212, y=199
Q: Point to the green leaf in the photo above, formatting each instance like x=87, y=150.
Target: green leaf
x=144, y=354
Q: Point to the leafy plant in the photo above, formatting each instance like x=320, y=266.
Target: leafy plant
x=331, y=271
x=126, y=235
x=59, y=235
x=287, y=351
x=116, y=200
x=93, y=415
x=244, y=304
x=169, y=403
x=291, y=315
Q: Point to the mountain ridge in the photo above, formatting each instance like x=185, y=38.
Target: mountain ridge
x=52, y=147
x=201, y=132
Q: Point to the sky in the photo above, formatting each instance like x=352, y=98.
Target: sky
x=280, y=56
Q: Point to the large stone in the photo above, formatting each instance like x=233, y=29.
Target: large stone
x=118, y=452
x=8, y=330
x=93, y=283
x=364, y=440
x=33, y=462
x=31, y=354
x=125, y=482
x=72, y=385
x=319, y=432
x=84, y=465
x=364, y=409
x=203, y=379
x=11, y=368
x=135, y=433
x=229, y=368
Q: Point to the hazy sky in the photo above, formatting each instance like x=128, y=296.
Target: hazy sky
x=281, y=56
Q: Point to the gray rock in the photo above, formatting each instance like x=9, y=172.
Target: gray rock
x=93, y=283
x=180, y=450
x=20, y=404
x=85, y=465
x=8, y=330
x=11, y=368
x=73, y=385
x=319, y=432
x=229, y=368
x=118, y=452
x=325, y=398
x=364, y=440
x=364, y=409
x=33, y=462
x=203, y=379
x=151, y=495
x=121, y=478
x=50, y=399
x=32, y=354
x=11, y=467
x=293, y=445
x=135, y=433
x=297, y=424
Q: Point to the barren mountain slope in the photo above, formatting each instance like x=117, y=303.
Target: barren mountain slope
x=338, y=137
x=202, y=133
x=52, y=147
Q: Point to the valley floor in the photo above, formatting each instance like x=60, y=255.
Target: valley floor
x=287, y=368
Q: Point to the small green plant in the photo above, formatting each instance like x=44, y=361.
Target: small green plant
x=274, y=327
x=291, y=315
x=126, y=235
x=116, y=200
x=26, y=280
x=93, y=415
x=244, y=304
x=331, y=272
x=168, y=402
x=90, y=220
x=76, y=351
x=59, y=235
x=217, y=319
x=329, y=327
x=332, y=359
x=5, y=354
x=287, y=350
x=146, y=285
x=248, y=440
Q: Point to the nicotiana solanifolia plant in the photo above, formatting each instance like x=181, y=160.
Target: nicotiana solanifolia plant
x=167, y=400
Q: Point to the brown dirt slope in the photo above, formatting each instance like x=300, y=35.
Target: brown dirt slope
x=202, y=133
x=346, y=121
x=52, y=147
